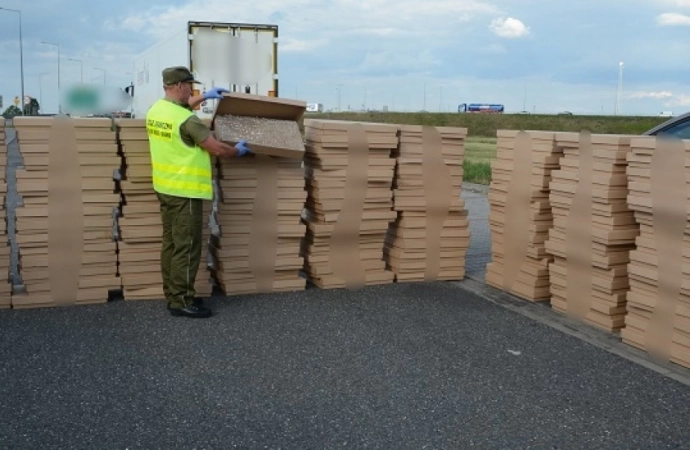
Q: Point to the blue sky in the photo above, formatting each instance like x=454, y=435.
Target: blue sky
x=545, y=55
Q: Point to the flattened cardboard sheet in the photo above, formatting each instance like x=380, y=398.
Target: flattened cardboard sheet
x=263, y=240
x=438, y=185
x=65, y=213
x=669, y=205
x=518, y=204
x=579, y=235
x=343, y=252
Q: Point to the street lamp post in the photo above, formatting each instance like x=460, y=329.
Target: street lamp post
x=81, y=64
x=58, y=62
x=21, y=50
x=98, y=68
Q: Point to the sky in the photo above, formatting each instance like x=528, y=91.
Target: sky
x=543, y=56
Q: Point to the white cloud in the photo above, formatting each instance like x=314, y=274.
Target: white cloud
x=655, y=95
x=679, y=100
x=397, y=60
x=379, y=31
x=679, y=3
x=509, y=28
x=673, y=19
x=298, y=45
x=310, y=17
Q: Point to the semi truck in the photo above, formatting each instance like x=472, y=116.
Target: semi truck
x=315, y=107
x=481, y=108
x=241, y=57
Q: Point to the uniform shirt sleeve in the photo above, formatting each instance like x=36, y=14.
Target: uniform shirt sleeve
x=193, y=131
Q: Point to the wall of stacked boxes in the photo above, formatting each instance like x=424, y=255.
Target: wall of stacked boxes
x=594, y=225
x=340, y=204
x=597, y=225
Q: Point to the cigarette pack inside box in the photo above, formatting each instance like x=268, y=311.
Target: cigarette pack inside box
x=269, y=125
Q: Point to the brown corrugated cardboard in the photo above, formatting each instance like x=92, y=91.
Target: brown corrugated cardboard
x=250, y=105
x=658, y=318
x=430, y=237
x=520, y=216
x=5, y=249
x=64, y=228
x=349, y=209
x=141, y=229
x=593, y=231
x=261, y=199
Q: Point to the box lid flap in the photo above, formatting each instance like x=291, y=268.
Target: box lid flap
x=240, y=104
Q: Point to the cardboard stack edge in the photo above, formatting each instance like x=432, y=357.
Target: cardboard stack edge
x=349, y=171
x=430, y=237
x=520, y=213
x=64, y=226
x=658, y=302
x=260, y=197
x=5, y=249
x=594, y=230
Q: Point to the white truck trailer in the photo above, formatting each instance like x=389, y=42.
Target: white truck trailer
x=241, y=57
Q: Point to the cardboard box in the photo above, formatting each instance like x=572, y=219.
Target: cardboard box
x=349, y=208
x=594, y=230
x=64, y=227
x=520, y=213
x=249, y=105
x=259, y=208
x=658, y=315
x=430, y=237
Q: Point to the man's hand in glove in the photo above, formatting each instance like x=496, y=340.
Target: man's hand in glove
x=215, y=93
x=242, y=148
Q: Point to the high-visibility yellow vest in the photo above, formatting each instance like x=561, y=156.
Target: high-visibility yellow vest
x=177, y=168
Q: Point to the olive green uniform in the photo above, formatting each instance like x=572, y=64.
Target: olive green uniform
x=183, y=224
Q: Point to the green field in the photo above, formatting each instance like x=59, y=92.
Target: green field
x=479, y=152
x=480, y=147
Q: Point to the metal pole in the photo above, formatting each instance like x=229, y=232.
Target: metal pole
x=81, y=64
x=58, y=64
x=98, y=68
x=21, y=52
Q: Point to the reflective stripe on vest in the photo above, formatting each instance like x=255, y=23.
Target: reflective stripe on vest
x=177, y=169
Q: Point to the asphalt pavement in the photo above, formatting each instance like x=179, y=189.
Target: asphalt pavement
x=398, y=366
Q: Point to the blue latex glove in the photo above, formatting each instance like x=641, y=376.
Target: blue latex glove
x=215, y=93
x=242, y=148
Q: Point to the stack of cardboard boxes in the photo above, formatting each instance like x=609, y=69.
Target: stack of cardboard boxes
x=257, y=249
x=349, y=170
x=658, y=303
x=520, y=216
x=140, y=225
x=5, y=249
x=261, y=196
x=65, y=226
x=594, y=230
x=430, y=237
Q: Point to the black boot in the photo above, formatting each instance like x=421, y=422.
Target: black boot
x=192, y=310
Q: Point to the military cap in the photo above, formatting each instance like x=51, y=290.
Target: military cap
x=178, y=74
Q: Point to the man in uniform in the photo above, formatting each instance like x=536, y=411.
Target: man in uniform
x=181, y=148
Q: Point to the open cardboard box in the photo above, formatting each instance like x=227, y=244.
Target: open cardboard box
x=240, y=104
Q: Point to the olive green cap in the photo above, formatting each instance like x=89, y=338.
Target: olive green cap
x=178, y=74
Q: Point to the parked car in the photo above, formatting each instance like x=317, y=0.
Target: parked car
x=678, y=126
